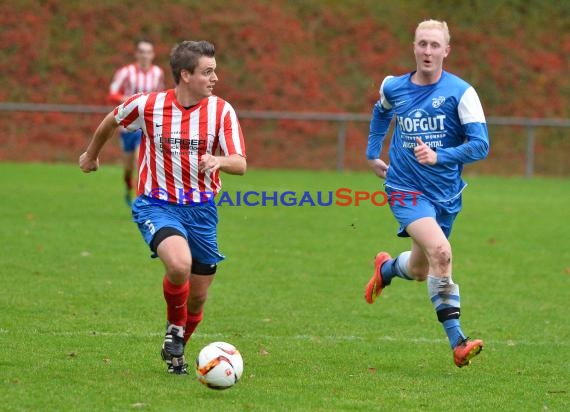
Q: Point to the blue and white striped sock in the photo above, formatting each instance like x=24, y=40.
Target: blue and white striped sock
x=396, y=267
x=444, y=295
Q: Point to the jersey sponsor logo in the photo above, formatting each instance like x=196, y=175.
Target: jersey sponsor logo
x=419, y=121
x=436, y=102
x=176, y=144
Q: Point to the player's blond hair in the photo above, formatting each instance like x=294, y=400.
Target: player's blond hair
x=435, y=24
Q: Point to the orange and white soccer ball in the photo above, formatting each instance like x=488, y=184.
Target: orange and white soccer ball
x=219, y=365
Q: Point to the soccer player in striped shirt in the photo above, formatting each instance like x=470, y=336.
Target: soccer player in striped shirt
x=440, y=126
x=189, y=136
x=139, y=77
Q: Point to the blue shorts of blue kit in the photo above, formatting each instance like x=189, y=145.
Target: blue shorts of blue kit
x=409, y=210
x=197, y=222
x=130, y=140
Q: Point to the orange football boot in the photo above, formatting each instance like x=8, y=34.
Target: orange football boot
x=466, y=350
x=376, y=284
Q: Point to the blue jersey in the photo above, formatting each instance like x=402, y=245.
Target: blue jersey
x=446, y=115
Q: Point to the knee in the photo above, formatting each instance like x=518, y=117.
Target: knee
x=178, y=271
x=417, y=266
x=440, y=256
x=419, y=272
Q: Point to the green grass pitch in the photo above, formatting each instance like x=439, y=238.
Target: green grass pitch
x=82, y=313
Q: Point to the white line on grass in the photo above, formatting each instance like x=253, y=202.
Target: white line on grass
x=309, y=338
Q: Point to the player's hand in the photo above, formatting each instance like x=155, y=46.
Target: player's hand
x=87, y=164
x=208, y=163
x=379, y=166
x=424, y=153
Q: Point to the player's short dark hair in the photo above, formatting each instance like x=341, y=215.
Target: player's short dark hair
x=185, y=55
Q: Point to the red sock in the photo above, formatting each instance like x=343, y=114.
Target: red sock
x=192, y=320
x=176, y=297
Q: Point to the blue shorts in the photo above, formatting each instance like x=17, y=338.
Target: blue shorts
x=197, y=222
x=408, y=207
x=130, y=140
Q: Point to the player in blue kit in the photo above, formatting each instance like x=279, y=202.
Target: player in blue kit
x=440, y=126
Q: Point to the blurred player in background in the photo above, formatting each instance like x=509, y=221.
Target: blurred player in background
x=440, y=126
x=139, y=77
x=189, y=136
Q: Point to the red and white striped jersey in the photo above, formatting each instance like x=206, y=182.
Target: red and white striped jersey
x=131, y=79
x=175, y=139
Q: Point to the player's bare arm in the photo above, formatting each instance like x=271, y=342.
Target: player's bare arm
x=234, y=164
x=89, y=160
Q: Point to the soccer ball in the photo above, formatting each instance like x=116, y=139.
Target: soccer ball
x=219, y=365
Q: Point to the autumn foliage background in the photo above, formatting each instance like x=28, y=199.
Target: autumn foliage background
x=286, y=55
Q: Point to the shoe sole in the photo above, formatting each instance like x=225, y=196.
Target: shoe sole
x=369, y=294
x=180, y=370
x=475, y=350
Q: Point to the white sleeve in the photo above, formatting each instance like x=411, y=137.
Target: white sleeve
x=470, y=109
x=383, y=100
